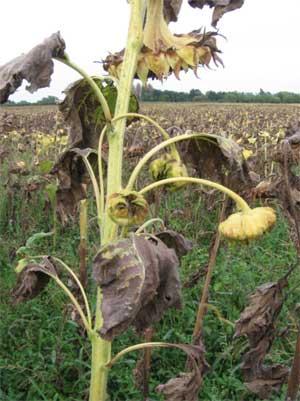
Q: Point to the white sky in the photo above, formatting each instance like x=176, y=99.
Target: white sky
x=261, y=51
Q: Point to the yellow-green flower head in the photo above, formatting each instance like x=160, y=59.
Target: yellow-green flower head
x=127, y=208
x=164, y=53
x=248, y=224
x=157, y=168
x=175, y=168
x=168, y=167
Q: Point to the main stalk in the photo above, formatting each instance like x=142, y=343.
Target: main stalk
x=101, y=349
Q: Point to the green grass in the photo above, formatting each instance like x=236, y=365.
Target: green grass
x=44, y=357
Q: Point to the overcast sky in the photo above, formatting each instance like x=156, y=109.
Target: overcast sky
x=261, y=50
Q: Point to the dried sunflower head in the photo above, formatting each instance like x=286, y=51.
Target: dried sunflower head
x=164, y=53
x=248, y=225
x=127, y=208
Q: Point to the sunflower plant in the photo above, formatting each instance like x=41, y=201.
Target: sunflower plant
x=136, y=273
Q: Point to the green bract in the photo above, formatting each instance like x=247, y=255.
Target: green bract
x=168, y=167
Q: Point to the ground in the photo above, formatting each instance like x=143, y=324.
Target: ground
x=45, y=356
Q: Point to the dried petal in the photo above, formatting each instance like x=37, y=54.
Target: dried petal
x=196, y=49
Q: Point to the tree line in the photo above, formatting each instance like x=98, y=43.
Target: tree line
x=195, y=95
x=49, y=100
x=150, y=94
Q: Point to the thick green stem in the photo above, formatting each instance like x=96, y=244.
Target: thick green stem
x=101, y=349
x=101, y=354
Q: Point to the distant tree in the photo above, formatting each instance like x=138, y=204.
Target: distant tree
x=48, y=100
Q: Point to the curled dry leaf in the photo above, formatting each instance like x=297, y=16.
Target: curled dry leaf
x=257, y=323
x=212, y=158
x=36, y=67
x=83, y=116
x=33, y=279
x=175, y=241
x=139, y=281
x=71, y=174
x=221, y=7
x=186, y=386
x=171, y=9
x=292, y=134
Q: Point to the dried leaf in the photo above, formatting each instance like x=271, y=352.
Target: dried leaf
x=220, y=7
x=212, y=158
x=171, y=9
x=265, y=304
x=175, y=241
x=36, y=67
x=83, y=113
x=292, y=134
x=257, y=323
x=186, y=386
x=33, y=279
x=84, y=118
x=139, y=281
x=71, y=174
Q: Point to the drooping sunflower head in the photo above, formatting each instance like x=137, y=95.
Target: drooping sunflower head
x=164, y=53
x=248, y=225
x=168, y=166
x=127, y=208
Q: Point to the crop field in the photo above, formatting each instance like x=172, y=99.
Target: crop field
x=44, y=352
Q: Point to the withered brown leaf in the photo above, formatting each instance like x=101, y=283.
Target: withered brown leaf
x=139, y=281
x=220, y=7
x=265, y=304
x=292, y=134
x=257, y=323
x=186, y=386
x=36, y=67
x=175, y=241
x=33, y=279
x=171, y=9
x=84, y=118
x=213, y=157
